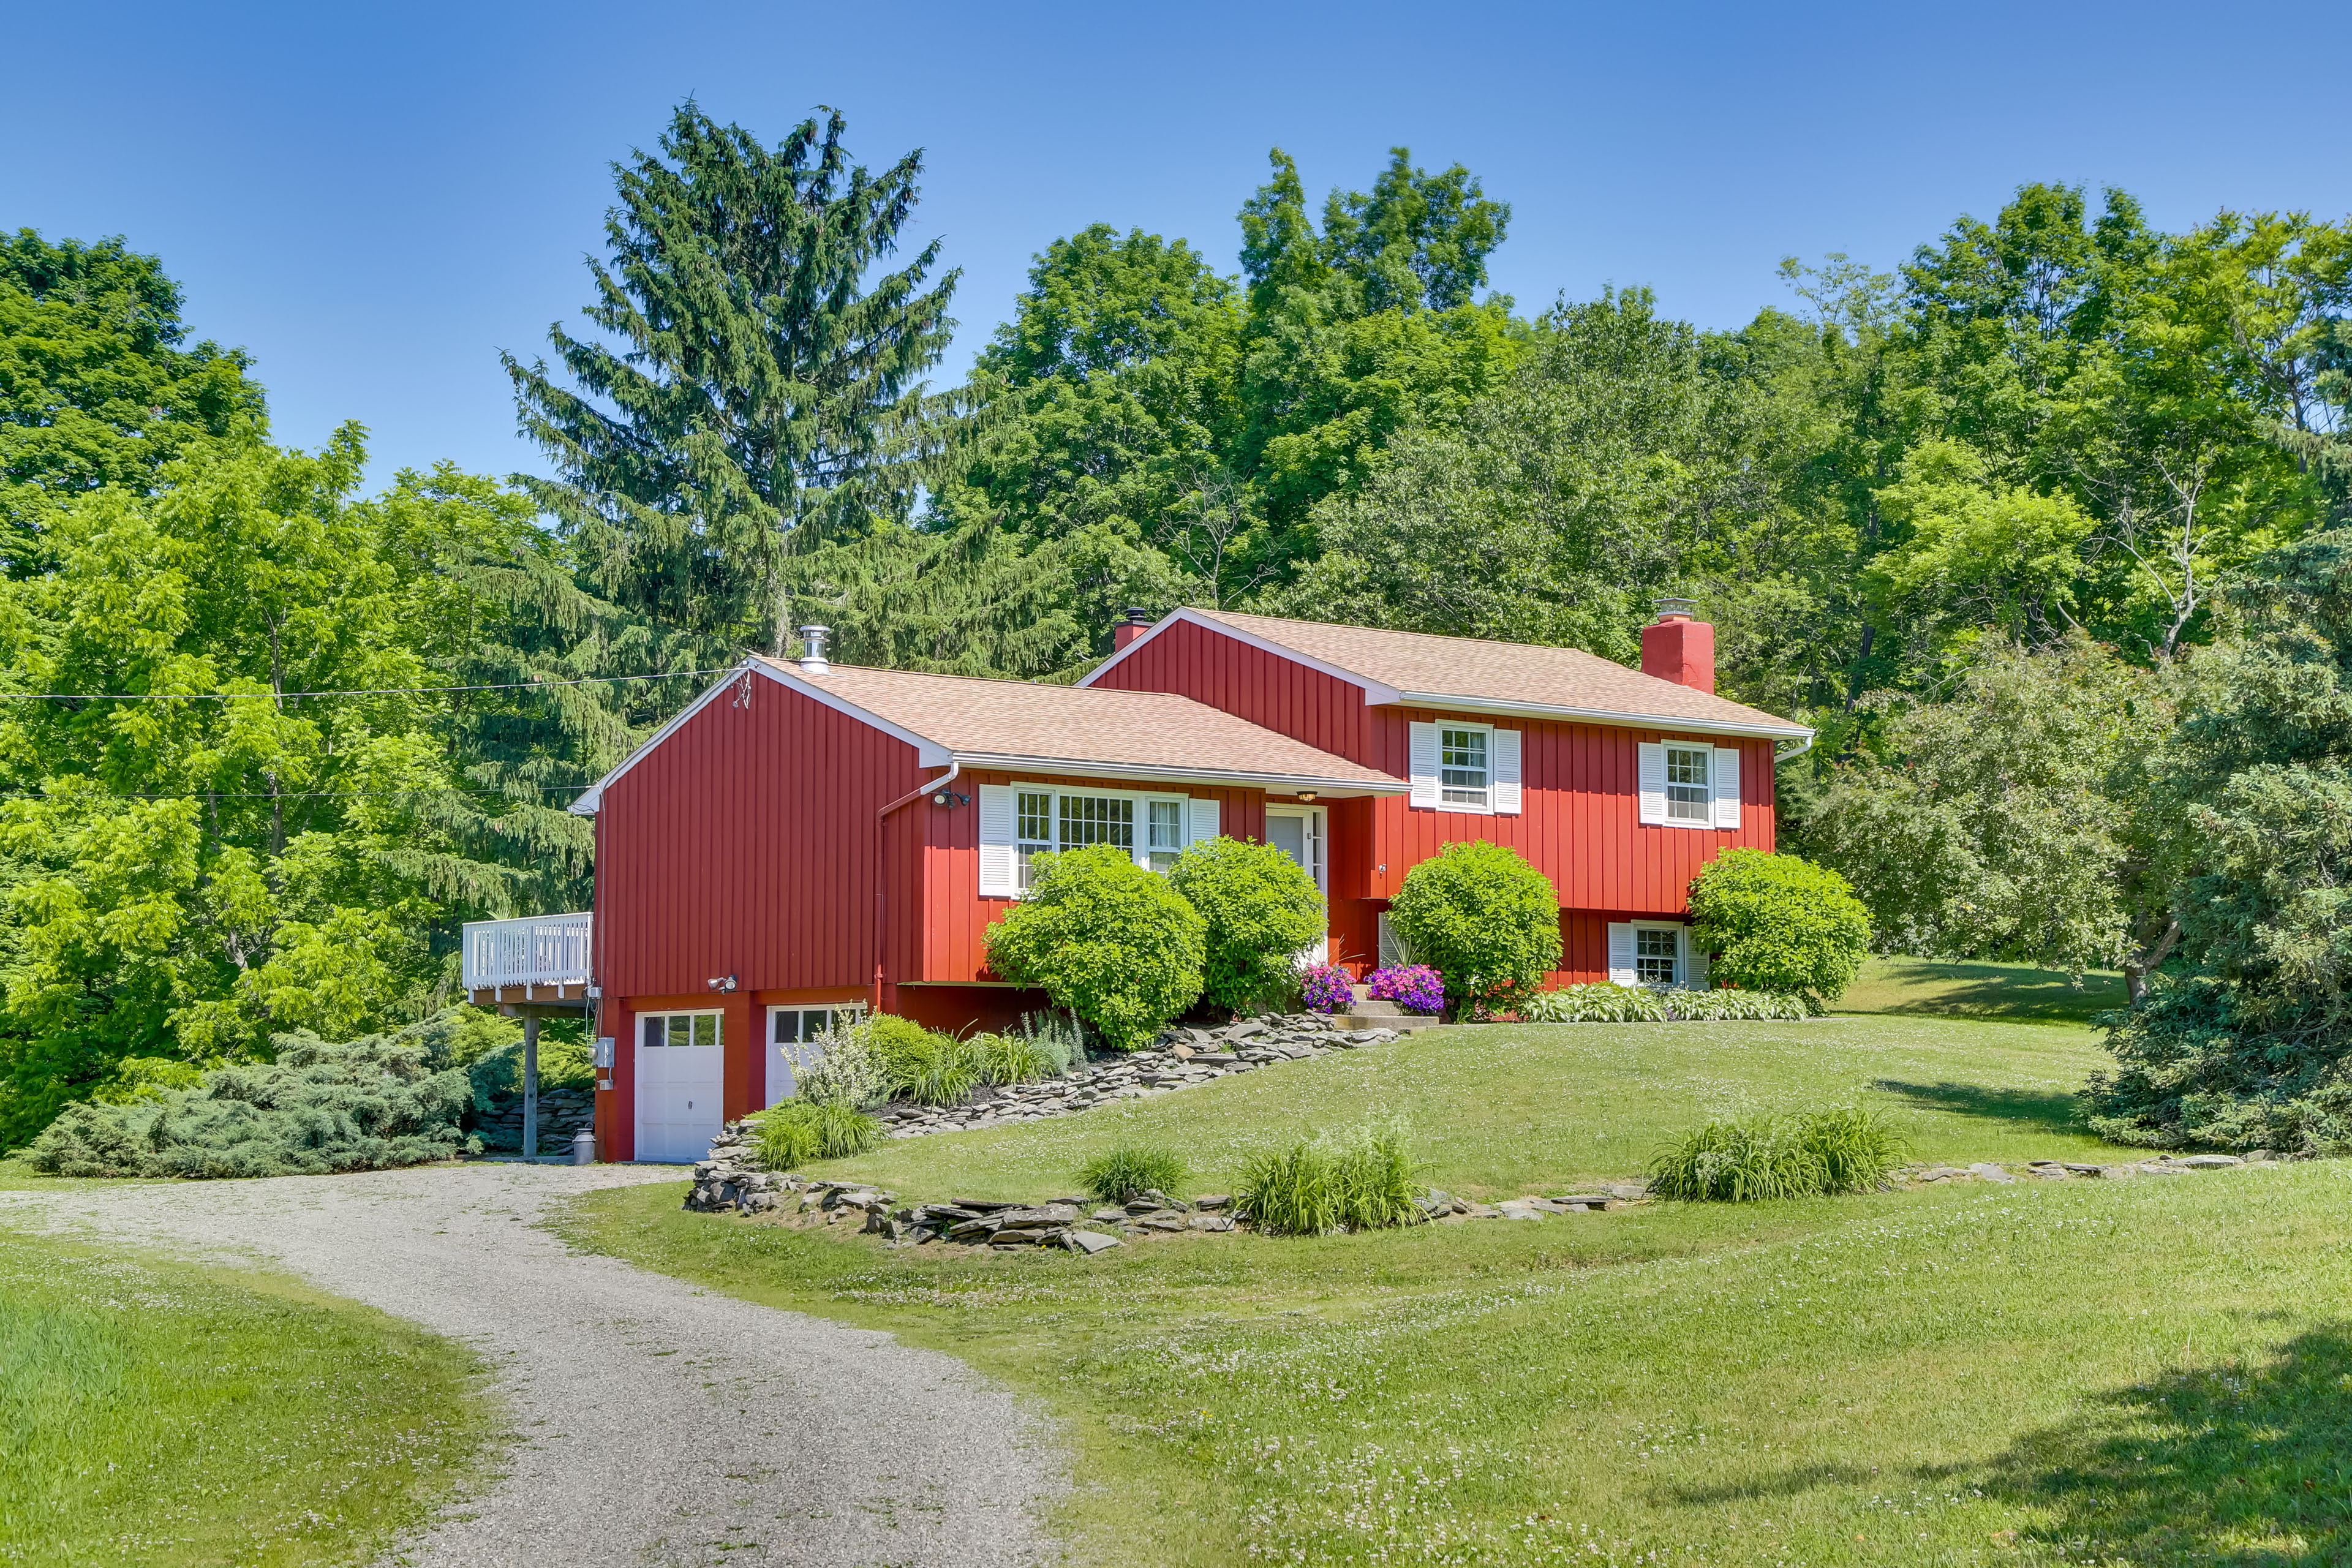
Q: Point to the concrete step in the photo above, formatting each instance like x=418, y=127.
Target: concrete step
x=1361, y=1019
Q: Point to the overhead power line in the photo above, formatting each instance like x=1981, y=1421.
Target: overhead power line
x=368, y=691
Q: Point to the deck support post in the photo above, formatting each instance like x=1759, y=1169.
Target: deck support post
x=530, y=1088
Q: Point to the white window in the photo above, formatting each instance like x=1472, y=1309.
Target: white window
x=1459, y=766
x=1035, y=829
x=1019, y=822
x=793, y=1033
x=1690, y=788
x=679, y=1029
x=1654, y=953
x=1167, y=832
x=1685, y=785
x=1657, y=955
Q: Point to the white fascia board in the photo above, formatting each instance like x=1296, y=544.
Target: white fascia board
x=1443, y=701
x=1232, y=778
x=1374, y=690
x=929, y=752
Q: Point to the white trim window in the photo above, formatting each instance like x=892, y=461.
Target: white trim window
x=1688, y=783
x=1458, y=765
x=1019, y=822
x=680, y=1029
x=1654, y=954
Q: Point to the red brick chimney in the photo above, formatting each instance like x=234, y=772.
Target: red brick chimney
x=1130, y=625
x=1677, y=648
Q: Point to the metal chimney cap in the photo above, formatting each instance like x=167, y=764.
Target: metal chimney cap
x=1136, y=614
x=1671, y=608
x=813, y=639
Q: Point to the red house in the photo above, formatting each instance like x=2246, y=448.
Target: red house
x=805, y=839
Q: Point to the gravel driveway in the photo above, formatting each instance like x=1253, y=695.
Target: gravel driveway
x=656, y=1423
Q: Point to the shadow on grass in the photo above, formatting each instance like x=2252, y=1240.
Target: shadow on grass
x=2238, y=1464
x=2008, y=992
x=2051, y=1112
x=2241, y=1464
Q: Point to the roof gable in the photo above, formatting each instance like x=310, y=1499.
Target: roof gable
x=1474, y=675
x=981, y=722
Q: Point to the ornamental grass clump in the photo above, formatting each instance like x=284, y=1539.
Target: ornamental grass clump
x=1118, y=1175
x=1755, y=1158
x=798, y=1131
x=930, y=1068
x=1012, y=1058
x=1357, y=1181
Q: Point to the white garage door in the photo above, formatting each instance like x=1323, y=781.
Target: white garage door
x=680, y=1064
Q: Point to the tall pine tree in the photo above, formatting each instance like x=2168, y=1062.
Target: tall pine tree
x=764, y=393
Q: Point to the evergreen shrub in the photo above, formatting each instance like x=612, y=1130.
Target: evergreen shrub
x=1107, y=939
x=1485, y=918
x=1778, y=922
x=1261, y=910
x=321, y=1107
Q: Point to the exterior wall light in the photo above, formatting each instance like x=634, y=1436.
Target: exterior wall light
x=950, y=798
x=722, y=982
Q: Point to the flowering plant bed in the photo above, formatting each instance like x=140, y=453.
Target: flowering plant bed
x=1328, y=988
x=1415, y=987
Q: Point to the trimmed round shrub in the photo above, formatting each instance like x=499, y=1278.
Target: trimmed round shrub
x=1107, y=939
x=1261, y=909
x=1778, y=922
x=1483, y=918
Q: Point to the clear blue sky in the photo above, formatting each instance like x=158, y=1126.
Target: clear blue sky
x=374, y=199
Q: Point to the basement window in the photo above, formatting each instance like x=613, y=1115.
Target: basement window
x=1657, y=955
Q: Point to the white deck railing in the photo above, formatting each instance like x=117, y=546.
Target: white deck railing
x=543, y=950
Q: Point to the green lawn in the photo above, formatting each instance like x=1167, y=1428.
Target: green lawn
x=2149, y=1372
x=161, y=1413
x=1508, y=1109
x=2004, y=991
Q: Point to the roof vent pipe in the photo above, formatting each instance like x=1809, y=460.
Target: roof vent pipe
x=812, y=649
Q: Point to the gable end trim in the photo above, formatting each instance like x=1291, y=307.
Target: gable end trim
x=929, y=753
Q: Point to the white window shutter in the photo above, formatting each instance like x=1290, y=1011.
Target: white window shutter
x=1694, y=964
x=1652, y=783
x=1622, y=968
x=1201, y=821
x=1425, y=765
x=1726, y=786
x=999, y=871
x=1502, y=753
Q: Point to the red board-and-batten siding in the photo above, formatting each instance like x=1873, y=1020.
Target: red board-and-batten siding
x=1579, y=821
x=744, y=845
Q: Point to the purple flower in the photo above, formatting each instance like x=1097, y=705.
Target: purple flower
x=1329, y=989
x=1416, y=987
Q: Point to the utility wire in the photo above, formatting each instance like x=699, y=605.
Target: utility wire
x=278, y=795
x=371, y=691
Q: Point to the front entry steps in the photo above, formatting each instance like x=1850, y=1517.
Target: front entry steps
x=1368, y=1013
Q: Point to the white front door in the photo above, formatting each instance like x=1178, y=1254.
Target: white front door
x=680, y=1063
x=1299, y=832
